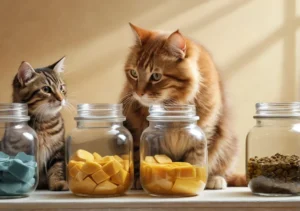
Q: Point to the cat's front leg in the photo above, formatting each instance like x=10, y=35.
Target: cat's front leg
x=56, y=177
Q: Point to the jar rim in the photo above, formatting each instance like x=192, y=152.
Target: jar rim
x=14, y=112
x=170, y=113
x=100, y=112
x=277, y=110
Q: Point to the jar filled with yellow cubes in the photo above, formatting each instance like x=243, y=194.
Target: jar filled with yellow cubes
x=99, y=152
x=173, y=157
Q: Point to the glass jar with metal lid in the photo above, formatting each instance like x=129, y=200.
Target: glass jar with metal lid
x=18, y=152
x=273, y=150
x=173, y=159
x=99, y=152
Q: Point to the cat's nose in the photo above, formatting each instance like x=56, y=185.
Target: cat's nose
x=140, y=93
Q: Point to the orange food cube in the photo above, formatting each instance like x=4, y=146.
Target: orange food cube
x=126, y=165
x=90, y=167
x=163, y=159
x=106, y=159
x=201, y=173
x=186, y=186
x=82, y=155
x=87, y=186
x=81, y=176
x=73, y=171
x=185, y=172
x=150, y=159
x=120, y=177
x=112, y=167
x=118, y=158
x=105, y=188
x=100, y=176
x=125, y=157
x=97, y=157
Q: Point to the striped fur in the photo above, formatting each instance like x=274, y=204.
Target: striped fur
x=44, y=92
x=188, y=76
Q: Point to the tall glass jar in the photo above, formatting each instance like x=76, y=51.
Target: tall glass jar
x=99, y=152
x=273, y=150
x=173, y=159
x=18, y=152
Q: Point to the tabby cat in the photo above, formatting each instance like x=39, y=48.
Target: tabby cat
x=164, y=68
x=44, y=91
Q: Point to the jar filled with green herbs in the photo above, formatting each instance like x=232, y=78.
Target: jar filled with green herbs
x=273, y=150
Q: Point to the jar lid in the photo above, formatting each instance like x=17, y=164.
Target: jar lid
x=13, y=112
x=100, y=112
x=277, y=110
x=170, y=113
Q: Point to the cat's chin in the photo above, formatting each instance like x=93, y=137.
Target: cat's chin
x=145, y=101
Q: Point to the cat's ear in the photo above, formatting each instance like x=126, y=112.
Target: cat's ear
x=141, y=34
x=177, y=44
x=59, y=65
x=25, y=73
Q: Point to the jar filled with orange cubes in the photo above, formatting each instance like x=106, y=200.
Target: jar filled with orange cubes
x=99, y=152
x=173, y=156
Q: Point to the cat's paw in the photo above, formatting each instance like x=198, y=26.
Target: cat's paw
x=59, y=186
x=216, y=182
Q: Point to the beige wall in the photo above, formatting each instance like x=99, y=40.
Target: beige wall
x=254, y=43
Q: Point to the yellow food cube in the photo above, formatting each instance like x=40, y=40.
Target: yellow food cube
x=181, y=164
x=73, y=171
x=162, y=159
x=82, y=155
x=185, y=186
x=100, y=176
x=90, y=167
x=126, y=165
x=150, y=159
x=97, y=157
x=164, y=184
x=120, y=178
x=105, y=187
x=106, y=159
x=112, y=167
x=118, y=158
x=185, y=172
x=87, y=186
x=201, y=173
x=163, y=171
x=146, y=174
x=80, y=176
x=73, y=163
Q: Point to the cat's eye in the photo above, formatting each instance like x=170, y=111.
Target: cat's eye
x=62, y=88
x=133, y=73
x=46, y=89
x=156, y=76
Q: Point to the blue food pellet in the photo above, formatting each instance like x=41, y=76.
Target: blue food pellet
x=3, y=156
x=24, y=157
x=11, y=188
x=21, y=170
x=27, y=186
x=8, y=177
x=4, y=165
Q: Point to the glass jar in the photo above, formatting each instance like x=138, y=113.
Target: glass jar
x=18, y=152
x=173, y=152
x=99, y=152
x=273, y=150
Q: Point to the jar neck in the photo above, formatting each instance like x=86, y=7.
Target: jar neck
x=11, y=124
x=276, y=121
x=172, y=124
x=98, y=124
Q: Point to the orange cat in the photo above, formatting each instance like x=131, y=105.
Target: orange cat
x=164, y=68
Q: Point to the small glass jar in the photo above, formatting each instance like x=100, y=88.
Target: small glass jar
x=99, y=152
x=273, y=150
x=18, y=152
x=173, y=152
